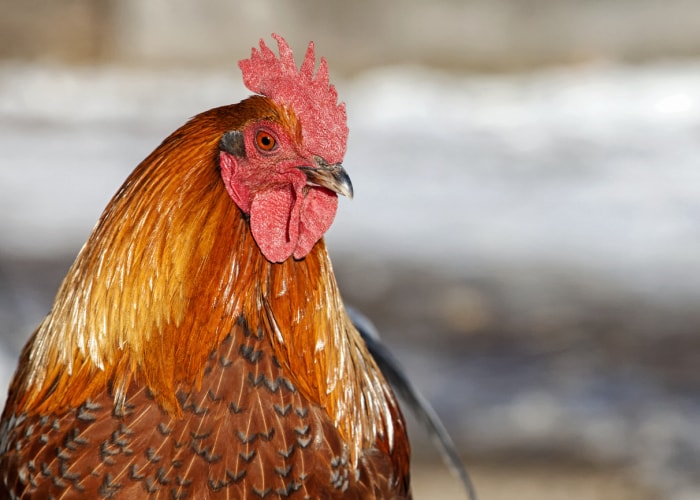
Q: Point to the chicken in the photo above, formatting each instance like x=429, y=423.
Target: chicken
x=198, y=346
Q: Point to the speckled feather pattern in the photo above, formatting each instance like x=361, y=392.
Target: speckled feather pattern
x=247, y=433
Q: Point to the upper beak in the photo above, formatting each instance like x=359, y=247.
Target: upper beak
x=333, y=177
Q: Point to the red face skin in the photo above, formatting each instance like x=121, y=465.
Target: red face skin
x=288, y=215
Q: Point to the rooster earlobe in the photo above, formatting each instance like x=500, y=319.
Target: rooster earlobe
x=232, y=142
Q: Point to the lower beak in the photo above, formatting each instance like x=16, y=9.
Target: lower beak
x=333, y=177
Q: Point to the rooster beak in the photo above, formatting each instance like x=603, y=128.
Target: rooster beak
x=333, y=177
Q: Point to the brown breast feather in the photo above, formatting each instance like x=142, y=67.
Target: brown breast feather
x=247, y=433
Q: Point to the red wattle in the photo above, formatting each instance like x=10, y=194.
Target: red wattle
x=285, y=223
x=274, y=222
x=317, y=214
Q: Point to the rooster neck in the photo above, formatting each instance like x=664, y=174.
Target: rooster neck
x=324, y=355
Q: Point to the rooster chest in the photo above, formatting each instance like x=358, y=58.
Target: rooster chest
x=247, y=432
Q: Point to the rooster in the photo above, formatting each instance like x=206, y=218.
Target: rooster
x=198, y=346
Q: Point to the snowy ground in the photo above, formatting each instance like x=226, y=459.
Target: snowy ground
x=548, y=225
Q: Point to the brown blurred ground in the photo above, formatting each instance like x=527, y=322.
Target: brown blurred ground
x=549, y=481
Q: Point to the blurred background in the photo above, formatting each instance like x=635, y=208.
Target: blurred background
x=526, y=226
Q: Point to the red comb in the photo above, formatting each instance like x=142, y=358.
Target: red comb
x=313, y=100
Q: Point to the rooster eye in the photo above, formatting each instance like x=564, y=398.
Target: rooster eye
x=265, y=141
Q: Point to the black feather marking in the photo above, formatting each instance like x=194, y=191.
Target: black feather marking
x=106, y=453
x=246, y=439
x=302, y=430
x=164, y=429
x=206, y=453
x=212, y=396
x=197, y=410
x=152, y=456
x=217, y=485
x=288, y=384
x=232, y=142
x=134, y=474
x=262, y=493
x=282, y=410
x=162, y=476
x=288, y=489
x=58, y=482
x=109, y=488
x=256, y=381
x=283, y=471
x=235, y=477
x=85, y=415
x=235, y=408
x=151, y=486
x=197, y=436
x=249, y=353
x=286, y=453
x=182, y=481
x=266, y=436
x=63, y=471
x=177, y=494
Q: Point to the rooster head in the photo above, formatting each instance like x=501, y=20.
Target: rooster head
x=283, y=168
